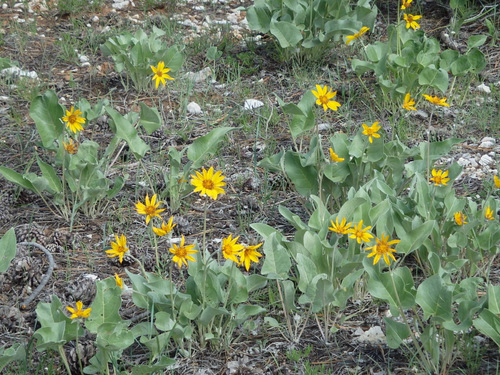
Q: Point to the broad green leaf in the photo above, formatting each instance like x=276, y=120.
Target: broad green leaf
x=493, y=298
x=307, y=271
x=7, y=249
x=16, y=352
x=126, y=131
x=150, y=119
x=277, y=260
x=287, y=33
x=414, y=239
x=244, y=312
x=476, y=41
x=114, y=336
x=477, y=60
x=488, y=324
x=396, y=332
x=437, y=78
x=17, y=178
x=348, y=208
x=203, y=146
x=259, y=18
x=47, y=113
x=106, y=304
x=435, y=298
x=460, y=66
x=305, y=179
x=49, y=173
x=210, y=313
x=155, y=368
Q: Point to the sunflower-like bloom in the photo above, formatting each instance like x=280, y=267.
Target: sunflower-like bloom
x=359, y=233
x=160, y=73
x=439, y=177
x=73, y=120
x=371, y=131
x=208, y=183
x=409, y=103
x=488, y=213
x=118, y=248
x=230, y=248
x=181, y=253
x=150, y=208
x=436, y=100
x=350, y=38
x=70, y=147
x=165, y=228
x=324, y=95
x=341, y=228
x=406, y=4
x=249, y=254
x=119, y=281
x=460, y=218
x=382, y=249
x=335, y=157
x=79, y=312
x=496, y=180
x=411, y=21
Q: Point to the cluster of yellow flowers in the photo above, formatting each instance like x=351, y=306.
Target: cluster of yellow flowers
x=73, y=122
x=382, y=248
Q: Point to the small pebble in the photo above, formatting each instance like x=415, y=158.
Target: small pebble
x=252, y=104
x=194, y=109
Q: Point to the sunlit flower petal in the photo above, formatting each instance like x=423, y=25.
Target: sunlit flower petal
x=119, y=281
x=460, y=218
x=409, y=103
x=160, y=74
x=382, y=249
x=335, y=157
x=79, y=312
x=73, y=120
x=149, y=208
x=118, y=248
x=411, y=21
x=181, y=253
x=341, y=228
x=70, y=147
x=439, y=177
x=165, y=228
x=230, y=248
x=324, y=96
x=249, y=254
x=208, y=183
x=436, y=100
x=350, y=38
x=360, y=234
x=488, y=213
x=371, y=131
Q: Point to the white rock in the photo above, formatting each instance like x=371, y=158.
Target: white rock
x=4, y=6
x=252, y=103
x=194, y=108
x=463, y=162
x=16, y=72
x=83, y=59
x=120, y=4
x=487, y=142
x=190, y=23
x=95, y=19
x=233, y=18
x=200, y=76
x=483, y=88
x=373, y=336
x=486, y=160
x=18, y=5
x=324, y=126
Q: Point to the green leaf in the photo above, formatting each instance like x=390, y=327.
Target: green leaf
x=114, y=336
x=7, y=249
x=493, y=298
x=259, y=18
x=47, y=113
x=17, y=178
x=16, y=352
x=348, y=208
x=157, y=367
x=460, y=66
x=476, y=41
x=106, y=305
x=414, y=239
x=307, y=271
x=396, y=332
x=206, y=145
x=477, y=60
x=287, y=33
x=435, y=298
x=126, y=131
x=305, y=179
x=150, y=119
x=277, y=260
x=244, y=312
x=488, y=324
x=49, y=173
x=437, y=78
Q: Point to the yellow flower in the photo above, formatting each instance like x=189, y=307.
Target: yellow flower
x=73, y=120
x=406, y=4
x=119, y=281
x=439, y=177
x=460, y=218
x=382, y=248
x=341, y=228
x=160, y=74
x=230, y=248
x=409, y=103
x=496, y=180
x=350, y=38
x=436, y=100
x=248, y=255
x=79, y=313
x=150, y=209
x=208, y=183
x=165, y=228
x=324, y=95
x=371, y=131
x=181, y=253
x=360, y=234
x=411, y=21
x=335, y=157
x=118, y=248
x=488, y=214
x=70, y=147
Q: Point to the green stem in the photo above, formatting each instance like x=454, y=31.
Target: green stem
x=64, y=359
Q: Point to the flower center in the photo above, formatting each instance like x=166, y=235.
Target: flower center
x=410, y=19
x=72, y=119
x=208, y=184
x=150, y=210
x=181, y=252
x=159, y=74
x=323, y=99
